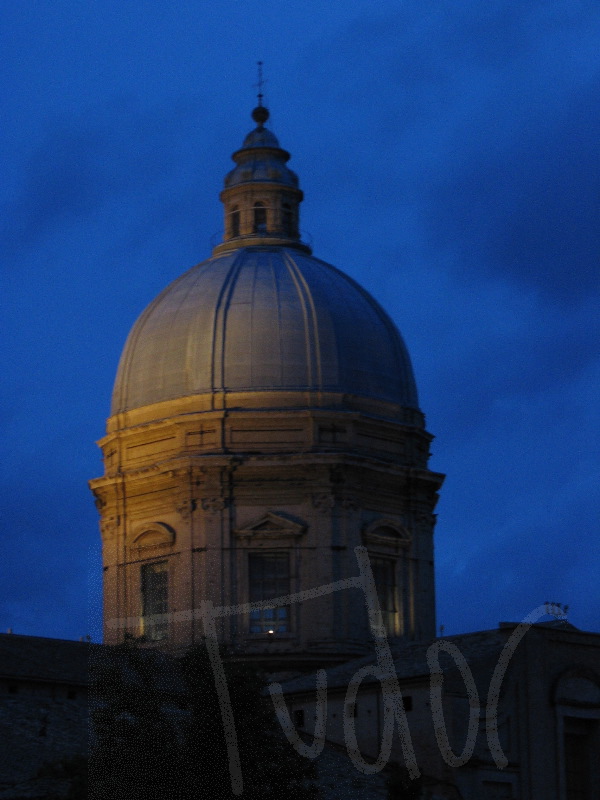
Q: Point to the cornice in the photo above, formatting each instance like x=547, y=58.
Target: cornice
x=238, y=403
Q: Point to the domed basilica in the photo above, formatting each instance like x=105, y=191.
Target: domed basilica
x=265, y=434
x=265, y=423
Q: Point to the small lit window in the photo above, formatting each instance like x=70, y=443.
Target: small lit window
x=578, y=756
x=155, y=587
x=234, y=221
x=260, y=218
x=384, y=573
x=299, y=717
x=269, y=577
x=287, y=220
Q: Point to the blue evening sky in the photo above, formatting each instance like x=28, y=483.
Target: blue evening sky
x=449, y=156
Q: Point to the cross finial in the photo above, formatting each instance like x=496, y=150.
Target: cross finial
x=557, y=610
x=261, y=82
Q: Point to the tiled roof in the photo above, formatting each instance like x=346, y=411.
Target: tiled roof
x=41, y=659
x=410, y=660
x=481, y=650
x=65, y=661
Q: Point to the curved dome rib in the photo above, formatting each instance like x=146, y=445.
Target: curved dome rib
x=263, y=318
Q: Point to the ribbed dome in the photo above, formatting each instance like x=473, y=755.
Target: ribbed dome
x=261, y=159
x=260, y=137
x=263, y=318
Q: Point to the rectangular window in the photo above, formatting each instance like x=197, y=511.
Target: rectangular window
x=578, y=758
x=384, y=573
x=260, y=218
x=234, y=220
x=269, y=577
x=298, y=717
x=497, y=790
x=155, y=600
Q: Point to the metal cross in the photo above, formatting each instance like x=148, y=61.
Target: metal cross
x=260, y=83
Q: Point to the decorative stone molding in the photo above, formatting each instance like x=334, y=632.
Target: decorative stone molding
x=108, y=526
x=185, y=507
x=134, y=473
x=426, y=517
x=350, y=503
x=386, y=533
x=233, y=464
x=198, y=475
x=577, y=686
x=153, y=534
x=272, y=526
x=213, y=504
x=337, y=475
x=323, y=502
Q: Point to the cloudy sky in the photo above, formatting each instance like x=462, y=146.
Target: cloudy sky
x=449, y=156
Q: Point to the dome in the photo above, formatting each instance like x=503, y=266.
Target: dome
x=263, y=165
x=261, y=159
x=260, y=137
x=263, y=318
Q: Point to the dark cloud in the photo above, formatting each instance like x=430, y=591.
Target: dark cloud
x=490, y=114
x=544, y=353
x=59, y=181
x=529, y=563
x=47, y=557
x=448, y=153
x=529, y=214
x=114, y=151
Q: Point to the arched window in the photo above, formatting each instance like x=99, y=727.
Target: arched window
x=287, y=220
x=234, y=221
x=260, y=218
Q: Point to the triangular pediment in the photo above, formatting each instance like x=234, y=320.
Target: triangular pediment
x=267, y=525
x=272, y=526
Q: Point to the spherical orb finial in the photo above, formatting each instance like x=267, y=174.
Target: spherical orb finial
x=260, y=115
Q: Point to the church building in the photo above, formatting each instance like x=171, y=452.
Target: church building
x=264, y=424
x=265, y=438
x=265, y=435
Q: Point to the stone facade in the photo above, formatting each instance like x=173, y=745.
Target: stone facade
x=265, y=424
x=547, y=720
x=43, y=707
x=203, y=490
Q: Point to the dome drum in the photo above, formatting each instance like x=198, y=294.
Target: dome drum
x=267, y=402
x=245, y=433
x=261, y=214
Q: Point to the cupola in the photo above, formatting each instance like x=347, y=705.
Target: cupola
x=261, y=197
